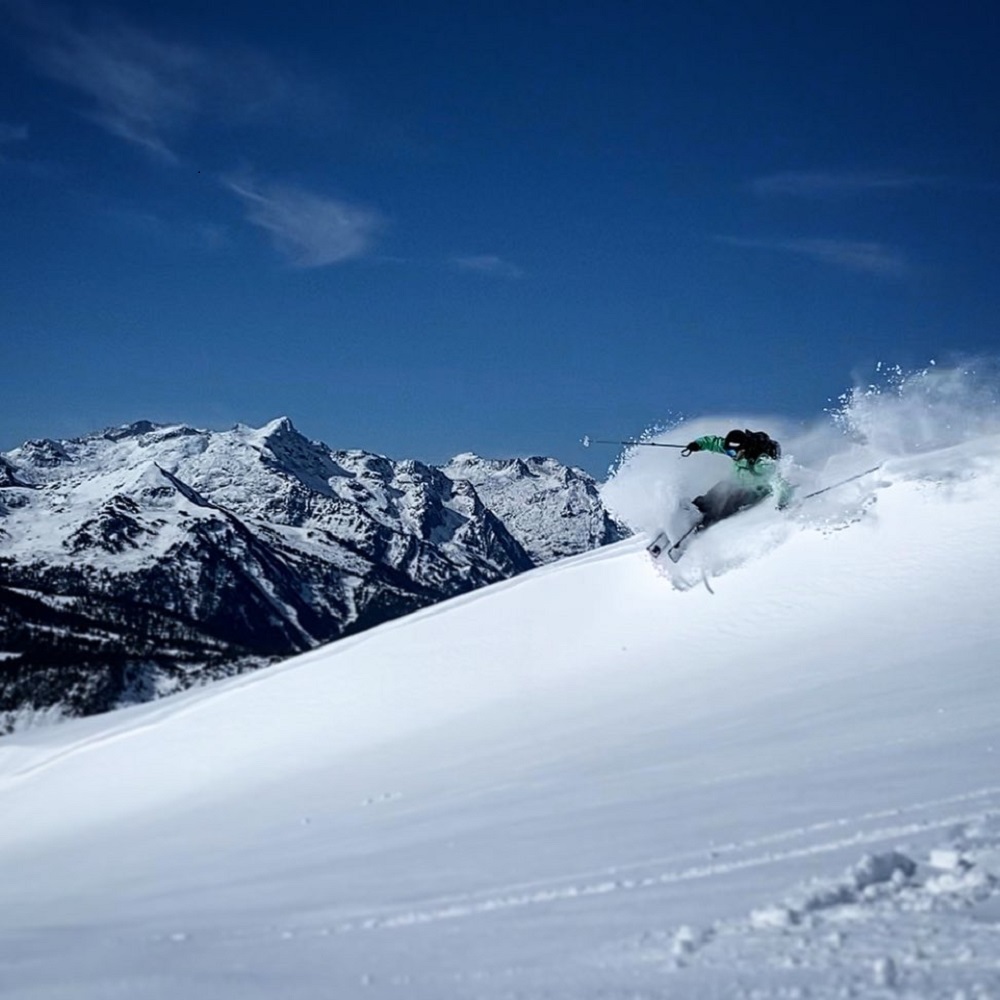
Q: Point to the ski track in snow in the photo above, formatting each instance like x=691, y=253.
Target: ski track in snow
x=610, y=880
x=898, y=922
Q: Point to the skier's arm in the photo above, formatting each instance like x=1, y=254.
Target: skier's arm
x=710, y=442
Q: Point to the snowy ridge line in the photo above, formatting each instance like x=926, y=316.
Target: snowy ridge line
x=636, y=544
x=342, y=646
x=473, y=906
x=185, y=704
x=102, y=738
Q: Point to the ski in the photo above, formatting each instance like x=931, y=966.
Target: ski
x=679, y=547
x=849, y=479
x=674, y=550
x=658, y=544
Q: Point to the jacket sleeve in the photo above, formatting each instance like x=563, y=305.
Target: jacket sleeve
x=712, y=442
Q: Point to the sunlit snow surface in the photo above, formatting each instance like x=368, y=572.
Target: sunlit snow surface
x=770, y=771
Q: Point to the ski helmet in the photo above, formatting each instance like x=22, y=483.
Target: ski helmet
x=736, y=440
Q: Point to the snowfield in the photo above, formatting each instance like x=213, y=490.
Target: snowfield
x=772, y=770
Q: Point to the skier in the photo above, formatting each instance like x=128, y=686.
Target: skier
x=755, y=456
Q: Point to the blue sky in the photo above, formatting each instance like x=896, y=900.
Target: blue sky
x=426, y=228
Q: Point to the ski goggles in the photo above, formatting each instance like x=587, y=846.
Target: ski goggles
x=733, y=452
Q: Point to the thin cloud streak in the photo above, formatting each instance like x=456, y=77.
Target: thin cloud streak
x=488, y=264
x=139, y=88
x=854, y=255
x=310, y=230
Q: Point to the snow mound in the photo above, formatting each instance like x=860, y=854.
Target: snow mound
x=888, y=924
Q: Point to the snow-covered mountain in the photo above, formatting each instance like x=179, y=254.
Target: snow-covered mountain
x=134, y=561
x=552, y=510
x=770, y=771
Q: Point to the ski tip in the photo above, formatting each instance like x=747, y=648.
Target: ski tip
x=658, y=544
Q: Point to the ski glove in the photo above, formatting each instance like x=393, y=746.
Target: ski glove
x=693, y=446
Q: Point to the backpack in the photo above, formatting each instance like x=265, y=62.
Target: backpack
x=760, y=445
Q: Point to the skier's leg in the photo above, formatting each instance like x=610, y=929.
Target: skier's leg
x=713, y=504
x=725, y=499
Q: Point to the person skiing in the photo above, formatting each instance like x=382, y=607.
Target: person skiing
x=756, y=456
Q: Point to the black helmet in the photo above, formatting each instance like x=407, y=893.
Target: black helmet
x=752, y=445
x=736, y=440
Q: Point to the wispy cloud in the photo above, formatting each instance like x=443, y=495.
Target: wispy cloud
x=311, y=230
x=140, y=88
x=855, y=255
x=833, y=184
x=137, y=88
x=488, y=264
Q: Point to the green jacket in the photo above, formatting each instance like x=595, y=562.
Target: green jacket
x=762, y=475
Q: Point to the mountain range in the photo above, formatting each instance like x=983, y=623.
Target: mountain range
x=143, y=559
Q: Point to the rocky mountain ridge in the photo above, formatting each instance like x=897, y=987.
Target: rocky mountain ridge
x=146, y=558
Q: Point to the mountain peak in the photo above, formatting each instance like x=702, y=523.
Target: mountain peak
x=135, y=429
x=280, y=425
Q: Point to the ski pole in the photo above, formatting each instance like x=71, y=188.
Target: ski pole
x=587, y=441
x=849, y=479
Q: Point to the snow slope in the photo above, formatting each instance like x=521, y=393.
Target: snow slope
x=771, y=771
